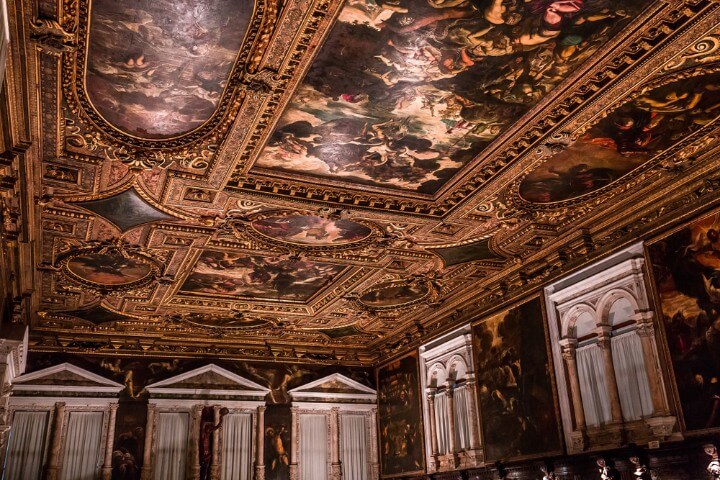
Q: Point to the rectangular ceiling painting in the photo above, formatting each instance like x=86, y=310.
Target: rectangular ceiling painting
x=404, y=93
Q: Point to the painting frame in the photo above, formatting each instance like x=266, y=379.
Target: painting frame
x=421, y=431
x=505, y=309
x=662, y=339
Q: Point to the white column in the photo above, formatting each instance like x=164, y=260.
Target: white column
x=107, y=465
x=335, y=466
x=473, y=416
x=147, y=468
x=451, y=418
x=374, y=456
x=195, y=442
x=432, y=427
x=260, y=447
x=606, y=349
x=53, y=468
x=294, y=470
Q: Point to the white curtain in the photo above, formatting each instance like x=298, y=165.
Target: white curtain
x=237, y=440
x=632, y=381
x=313, y=447
x=82, y=453
x=460, y=407
x=593, y=385
x=354, y=447
x=442, y=427
x=172, y=446
x=26, y=446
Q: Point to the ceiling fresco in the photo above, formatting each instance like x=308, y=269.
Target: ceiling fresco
x=157, y=68
x=314, y=181
x=404, y=94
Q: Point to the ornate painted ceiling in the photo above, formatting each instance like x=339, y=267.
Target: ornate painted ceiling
x=322, y=181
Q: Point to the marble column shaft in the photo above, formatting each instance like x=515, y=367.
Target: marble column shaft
x=606, y=349
x=374, y=464
x=107, y=465
x=646, y=332
x=146, y=473
x=432, y=421
x=473, y=415
x=569, y=355
x=260, y=444
x=195, y=442
x=451, y=419
x=294, y=470
x=54, y=457
x=215, y=466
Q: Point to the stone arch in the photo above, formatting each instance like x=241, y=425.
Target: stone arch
x=610, y=299
x=569, y=322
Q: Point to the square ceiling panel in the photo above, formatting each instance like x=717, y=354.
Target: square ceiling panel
x=253, y=276
x=404, y=94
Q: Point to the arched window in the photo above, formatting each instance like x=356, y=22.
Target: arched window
x=591, y=371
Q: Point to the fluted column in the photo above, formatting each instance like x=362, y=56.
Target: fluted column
x=433, y=424
x=215, y=466
x=335, y=466
x=195, y=427
x=147, y=468
x=54, y=458
x=294, y=471
x=646, y=332
x=260, y=447
x=374, y=464
x=569, y=346
x=606, y=349
x=107, y=465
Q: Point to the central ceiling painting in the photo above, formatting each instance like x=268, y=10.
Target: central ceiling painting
x=404, y=93
x=254, y=276
x=158, y=68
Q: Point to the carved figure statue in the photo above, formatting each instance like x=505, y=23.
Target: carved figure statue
x=548, y=473
x=206, y=446
x=641, y=471
x=607, y=472
x=713, y=467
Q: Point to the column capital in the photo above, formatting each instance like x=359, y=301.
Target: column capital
x=568, y=343
x=114, y=406
x=261, y=408
x=294, y=410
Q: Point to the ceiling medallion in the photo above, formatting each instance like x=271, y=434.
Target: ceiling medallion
x=238, y=321
x=107, y=269
x=309, y=231
x=398, y=294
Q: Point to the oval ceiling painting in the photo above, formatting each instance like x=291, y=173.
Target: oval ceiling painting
x=158, y=68
x=311, y=230
x=112, y=268
x=626, y=139
x=230, y=322
x=395, y=294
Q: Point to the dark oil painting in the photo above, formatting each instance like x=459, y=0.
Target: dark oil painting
x=517, y=403
x=237, y=274
x=399, y=418
x=468, y=252
x=626, y=139
x=108, y=268
x=686, y=267
x=311, y=230
x=129, y=443
x=392, y=294
x=404, y=93
x=157, y=68
x=278, y=423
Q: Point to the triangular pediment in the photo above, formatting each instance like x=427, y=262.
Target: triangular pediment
x=208, y=380
x=334, y=386
x=66, y=377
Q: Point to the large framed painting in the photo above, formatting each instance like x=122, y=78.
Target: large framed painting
x=278, y=423
x=516, y=391
x=400, y=418
x=686, y=277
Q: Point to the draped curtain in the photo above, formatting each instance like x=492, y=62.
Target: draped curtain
x=237, y=443
x=462, y=418
x=632, y=381
x=82, y=453
x=354, y=445
x=26, y=446
x=172, y=446
x=313, y=447
x=593, y=385
x=442, y=427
